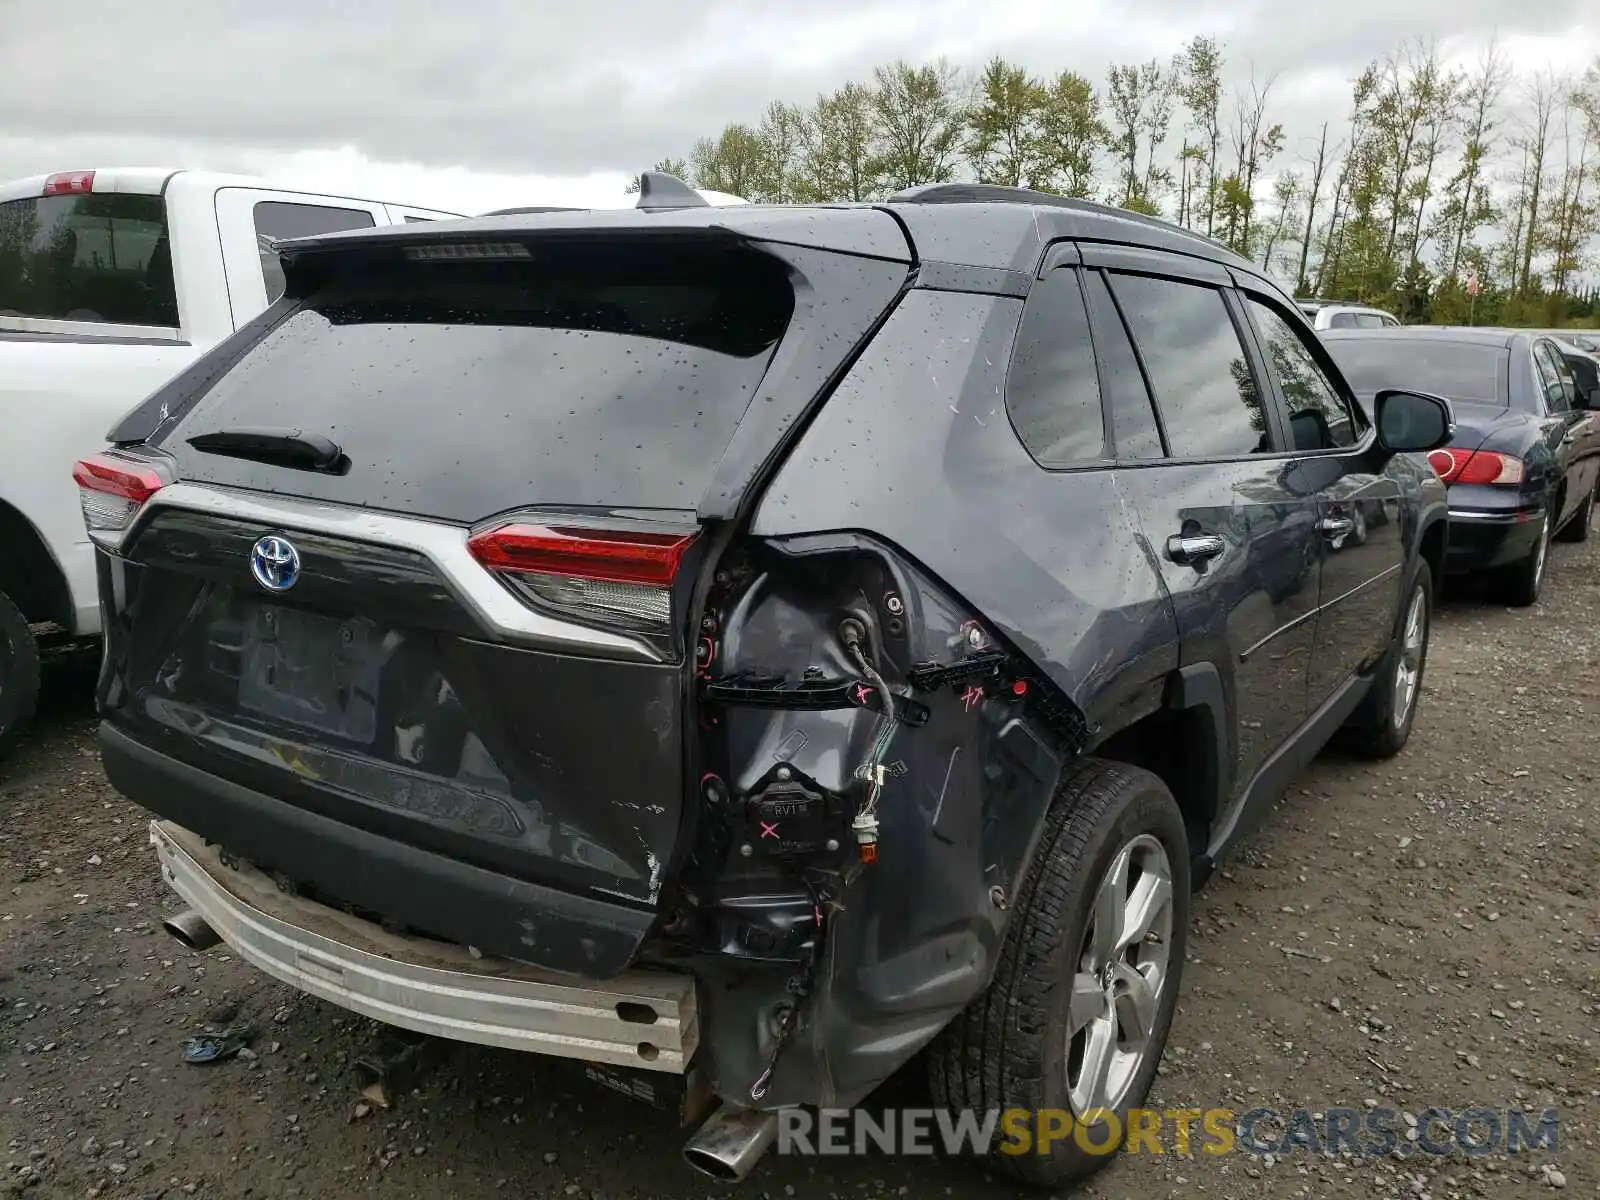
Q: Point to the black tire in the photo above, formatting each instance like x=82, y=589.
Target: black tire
x=1379, y=729
x=1010, y=1049
x=1520, y=585
x=1577, y=529
x=19, y=675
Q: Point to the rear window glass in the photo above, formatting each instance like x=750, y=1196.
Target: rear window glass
x=602, y=376
x=101, y=258
x=1455, y=370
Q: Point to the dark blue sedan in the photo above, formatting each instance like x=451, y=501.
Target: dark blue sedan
x=1523, y=465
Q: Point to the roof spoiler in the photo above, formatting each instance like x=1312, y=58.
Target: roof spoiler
x=660, y=192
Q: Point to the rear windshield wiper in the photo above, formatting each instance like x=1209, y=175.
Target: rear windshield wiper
x=279, y=447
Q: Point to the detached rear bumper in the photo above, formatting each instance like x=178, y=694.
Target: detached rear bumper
x=640, y=1019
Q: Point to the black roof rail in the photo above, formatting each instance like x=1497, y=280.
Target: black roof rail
x=660, y=192
x=536, y=208
x=993, y=193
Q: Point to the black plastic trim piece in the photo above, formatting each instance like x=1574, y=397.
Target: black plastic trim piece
x=1199, y=686
x=959, y=277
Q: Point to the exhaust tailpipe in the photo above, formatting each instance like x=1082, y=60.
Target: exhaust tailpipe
x=731, y=1142
x=190, y=928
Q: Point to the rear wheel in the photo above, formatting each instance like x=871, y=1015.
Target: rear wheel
x=19, y=675
x=1577, y=529
x=1520, y=585
x=1077, y=1015
x=1383, y=724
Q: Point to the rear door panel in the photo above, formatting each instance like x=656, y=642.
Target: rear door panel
x=1250, y=608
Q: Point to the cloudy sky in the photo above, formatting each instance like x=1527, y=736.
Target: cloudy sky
x=483, y=103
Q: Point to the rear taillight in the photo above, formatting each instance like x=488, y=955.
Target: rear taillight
x=69, y=183
x=1476, y=466
x=618, y=576
x=111, y=491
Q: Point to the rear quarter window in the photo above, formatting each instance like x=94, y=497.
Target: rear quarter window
x=1053, y=388
x=97, y=258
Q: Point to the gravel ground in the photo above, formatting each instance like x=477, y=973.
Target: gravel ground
x=1423, y=932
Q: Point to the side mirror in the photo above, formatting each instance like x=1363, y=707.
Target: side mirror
x=1412, y=422
x=1591, y=399
x=1310, y=430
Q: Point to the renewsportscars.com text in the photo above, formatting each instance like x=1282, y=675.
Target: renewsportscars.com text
x=1364, y=1133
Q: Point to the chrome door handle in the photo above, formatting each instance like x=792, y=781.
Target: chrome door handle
x=1194, y=548
x=1336, y=527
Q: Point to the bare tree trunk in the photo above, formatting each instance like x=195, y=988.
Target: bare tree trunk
x=1311, y=206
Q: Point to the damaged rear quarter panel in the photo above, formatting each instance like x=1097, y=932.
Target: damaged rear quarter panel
x=914, y=453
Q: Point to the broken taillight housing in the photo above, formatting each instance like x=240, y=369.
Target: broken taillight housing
x=112, y=488
x=619, y=577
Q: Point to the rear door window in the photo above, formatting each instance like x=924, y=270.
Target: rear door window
x=606, y=375
x=278, y=221
x=101, y=258
x=1560, y=389
x=1135, y=433
x=1052, y=388
x=1209, y=402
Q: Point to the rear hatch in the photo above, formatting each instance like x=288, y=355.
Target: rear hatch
x=421, y=562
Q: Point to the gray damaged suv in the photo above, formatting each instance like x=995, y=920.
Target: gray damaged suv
x=754, y=646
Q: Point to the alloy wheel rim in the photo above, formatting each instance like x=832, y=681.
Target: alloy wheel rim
x=1123, y=972
x=1408, y=673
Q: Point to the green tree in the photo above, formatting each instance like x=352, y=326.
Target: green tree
x=781, y=136
x=734, y=162
x=1198, y=71
x=1071, y=135
x=1573, y=216
x=1354, y=182
x=1319, y=167
x=1544, y=92
x=1255, y=144
x=1468, y=204
x=1140, y=110
x=1276, y=234
x=837, y=139
x=920, y=122
x=1004, y=142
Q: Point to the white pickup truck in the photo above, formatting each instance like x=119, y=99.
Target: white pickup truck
x=111, y=282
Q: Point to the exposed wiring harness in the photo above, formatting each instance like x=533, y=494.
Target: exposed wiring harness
x=865, y=824
x=865, y=828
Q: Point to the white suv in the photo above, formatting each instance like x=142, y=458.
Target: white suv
x=1327, y=314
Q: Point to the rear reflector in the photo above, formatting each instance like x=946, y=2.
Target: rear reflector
x=111, y=490
x=1476, y=466
x=617, y=576
x=69, y=183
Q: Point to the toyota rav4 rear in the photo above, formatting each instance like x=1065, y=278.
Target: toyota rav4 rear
x=436, y=642
x=671, y=640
